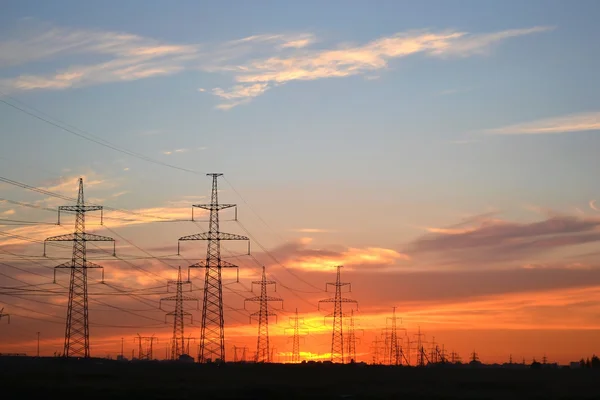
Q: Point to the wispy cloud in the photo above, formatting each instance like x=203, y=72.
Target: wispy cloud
x=589, y=121
x=344, y=61
x=8, y=212
x=299, y=255
x=169, y=152
x=490, y=241
x=311, y=230
x=125, y=57
x=256, y=63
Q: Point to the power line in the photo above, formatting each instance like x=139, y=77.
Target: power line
x=92, y=138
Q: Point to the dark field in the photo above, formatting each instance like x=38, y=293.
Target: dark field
x=30, y=378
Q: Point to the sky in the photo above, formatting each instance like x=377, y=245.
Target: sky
x=441, y=151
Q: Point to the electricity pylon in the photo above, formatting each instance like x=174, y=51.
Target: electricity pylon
x=2, y=314
x=178, y=341
x=394, y=350
x=187, y=348
x=262, y=344
x=212, y=333
x=351, y=339
x=77, y=333
x=295, y=321
x=420, y=349
x=147, y=353
x=376, y=348
x=337, y=337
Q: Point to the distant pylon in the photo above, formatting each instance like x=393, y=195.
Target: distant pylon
x=212, y=333
x=77, y=333
x=394, y=352
x=262, y=343
x=420, y=349
x=295, y=323
x=187, y=348
x=376, y=348
x=351, y=339
x=337, y=337
x=2, y=314
x=178, y=341
x=147, y=352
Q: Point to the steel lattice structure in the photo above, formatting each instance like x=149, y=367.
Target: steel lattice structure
x=178, y=341
x=212, y=333
x=351, y=339
x=77, y=333
x=262, y=344
x=337, y=337
x=295, y=323
x=394, y=355
x=147, y=353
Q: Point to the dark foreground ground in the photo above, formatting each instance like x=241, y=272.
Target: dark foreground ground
x=46, y=378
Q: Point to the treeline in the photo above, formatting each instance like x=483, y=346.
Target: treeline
x=594, y=362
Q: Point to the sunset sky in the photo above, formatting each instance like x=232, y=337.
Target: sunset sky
x=443, y=152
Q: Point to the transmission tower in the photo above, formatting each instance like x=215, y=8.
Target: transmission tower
x=2, y=314
x=351, y=339
x=187, y=348
x=77, y=333
x=212, y=335
x=146, y=352
x=262, y=345
x=337, y=337
x=420, y=349
x=393, y=349
x=376, y=348
x=295, y=323
x=178, y=341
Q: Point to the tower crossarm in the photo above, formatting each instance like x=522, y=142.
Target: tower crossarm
x=213, y=207
x=215, y=264
x=83, y=237
x=267, y=298
x=333, y=300
x=69, y=264
x=218, y=236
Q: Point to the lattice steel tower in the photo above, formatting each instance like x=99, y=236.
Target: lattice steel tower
x=295, y=323
x=178, y=341
x=77, y=333
x=262, y=343
x=212, y=335
x=351, y=339
x=337, y=337
x=395, y=349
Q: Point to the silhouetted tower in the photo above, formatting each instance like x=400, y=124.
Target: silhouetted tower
x=2, y=314
x=474, y=357
x=351, y=339
x=145, y=352
x=420, y=349
x=263, y=314
x=178, y=341
x=395, y=354
x=295, y=323
x=187, y=348
x=212, y=335
x=454, y=357
x=408, y=349
x=376, y=348
x=77, y=332
x=337, y=337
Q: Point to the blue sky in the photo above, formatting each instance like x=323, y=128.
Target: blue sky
x=404, y=129
x=376, y=123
